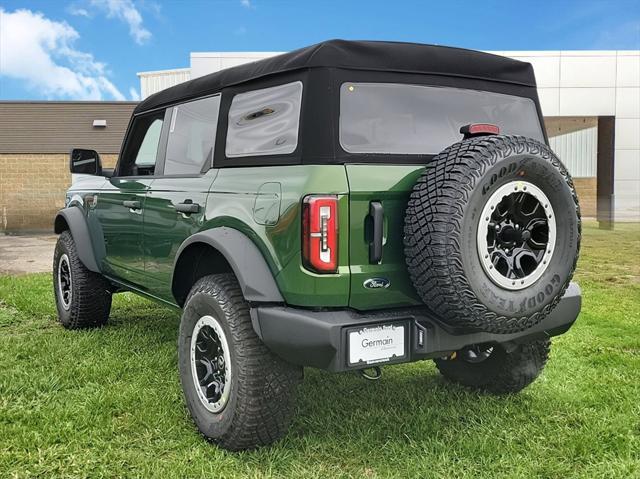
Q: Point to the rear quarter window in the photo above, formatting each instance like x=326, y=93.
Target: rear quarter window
x=414, y=119
x=264, y=122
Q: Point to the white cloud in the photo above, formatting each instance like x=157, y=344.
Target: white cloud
x=41, y=52
x=78, y=11
x=134, y=94
x=127, y=12
x=246, y=3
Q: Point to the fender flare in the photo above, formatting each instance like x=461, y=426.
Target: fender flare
x=246, y=261
x=74, y=218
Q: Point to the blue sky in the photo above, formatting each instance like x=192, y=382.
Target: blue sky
x=92, y=49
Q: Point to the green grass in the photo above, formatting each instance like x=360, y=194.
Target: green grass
x=108, y=402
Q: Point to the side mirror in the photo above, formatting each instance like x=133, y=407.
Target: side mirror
x=85, y=162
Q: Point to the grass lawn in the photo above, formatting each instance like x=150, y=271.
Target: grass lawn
x=108, y=402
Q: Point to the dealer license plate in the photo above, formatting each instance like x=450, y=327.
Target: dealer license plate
x=377, y=344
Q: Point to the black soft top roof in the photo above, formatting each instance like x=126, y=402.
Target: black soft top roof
x=357, y=55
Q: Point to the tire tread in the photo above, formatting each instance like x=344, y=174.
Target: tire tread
x=433, y=229
x=91, y=296
x=266, y=383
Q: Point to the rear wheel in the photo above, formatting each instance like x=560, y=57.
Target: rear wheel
x=83, y=298
x=494, y=369
x=239, y=394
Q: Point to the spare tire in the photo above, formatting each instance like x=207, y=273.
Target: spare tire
x=492, y=233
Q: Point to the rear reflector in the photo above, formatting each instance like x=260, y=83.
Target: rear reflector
x=320, y=233
x=479, y=129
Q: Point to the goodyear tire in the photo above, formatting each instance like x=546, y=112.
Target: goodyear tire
x=240, y=395
x=83, y=298
x=492, y=233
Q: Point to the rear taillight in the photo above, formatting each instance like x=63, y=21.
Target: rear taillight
x=320, y=233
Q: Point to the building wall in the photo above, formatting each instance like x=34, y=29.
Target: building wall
x=152, y=82
x=597, y=83
x=32, y=189
x=587, y=196
x=575, y=141
x=203, y=63
x=35, y=140
x=56, y=127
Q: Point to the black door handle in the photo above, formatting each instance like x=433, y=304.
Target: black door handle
x=134, y=205
x=187, y=207
x=375, y=246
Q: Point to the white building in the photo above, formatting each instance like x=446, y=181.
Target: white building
x=591, y=104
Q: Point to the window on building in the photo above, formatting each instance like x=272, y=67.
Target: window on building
x=141, y=151
x=265, y=122
x=192, y=136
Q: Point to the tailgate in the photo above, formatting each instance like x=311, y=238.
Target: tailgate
x=388, y=185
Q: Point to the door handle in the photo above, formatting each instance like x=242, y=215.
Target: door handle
x=133, y=204
x=376, y=211
x=187, y=207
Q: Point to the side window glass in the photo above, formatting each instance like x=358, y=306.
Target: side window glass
x=265, y=122
x=141, y=151
x=148, y=151
x=192, y=136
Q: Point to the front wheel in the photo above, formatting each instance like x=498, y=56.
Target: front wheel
x=494, y=369
x=239, y=394
x=83, y=298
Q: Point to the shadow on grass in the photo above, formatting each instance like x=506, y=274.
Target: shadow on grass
x=410, y=402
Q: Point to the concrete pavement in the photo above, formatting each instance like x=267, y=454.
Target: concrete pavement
x=21, y=254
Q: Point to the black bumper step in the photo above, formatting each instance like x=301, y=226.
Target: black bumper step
x=319, y=338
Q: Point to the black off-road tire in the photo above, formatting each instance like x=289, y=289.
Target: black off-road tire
x=502, y=372
x=441, y=228
x=260, y=405
x=90, y=296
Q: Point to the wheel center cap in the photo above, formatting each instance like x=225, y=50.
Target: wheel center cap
x=508, y=234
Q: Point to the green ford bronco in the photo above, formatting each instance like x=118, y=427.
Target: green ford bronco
x=343, y=206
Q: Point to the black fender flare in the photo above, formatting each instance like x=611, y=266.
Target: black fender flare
x=246, y=261
x=74, y=219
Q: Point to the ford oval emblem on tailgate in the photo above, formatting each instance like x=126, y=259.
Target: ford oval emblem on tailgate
x=376, y=283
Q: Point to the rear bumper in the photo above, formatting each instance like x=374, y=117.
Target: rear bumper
x=319, y=338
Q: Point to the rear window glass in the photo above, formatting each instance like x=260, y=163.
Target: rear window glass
x=414, y=119
x=192, y=136
x=265, y=122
